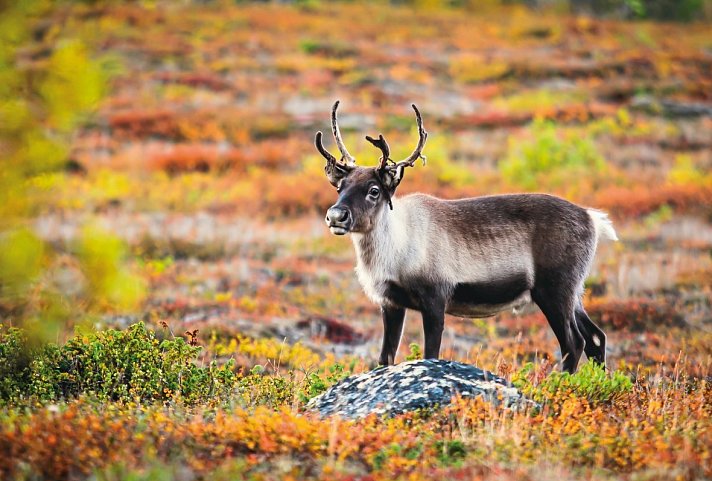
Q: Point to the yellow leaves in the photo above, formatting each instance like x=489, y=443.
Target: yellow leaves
x=14, y=114
x=40, y=151
x=22, y=256
x=273, y=350
x=109, y=185
x=261, y=430
x=223, y=297
x=110, y=283
x=538, y=102
x=470, y=68
x=686, y=172
x=73, y=84
x=248, y=304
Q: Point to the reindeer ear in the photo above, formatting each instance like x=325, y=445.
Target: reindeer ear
x=391, y=177
x=335, y=172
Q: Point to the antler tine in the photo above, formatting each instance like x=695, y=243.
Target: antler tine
x=418, y=152
x=337, y=135
x=381, y=143
x=320, y=147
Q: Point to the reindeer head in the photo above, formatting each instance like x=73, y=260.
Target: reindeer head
x=363, y=191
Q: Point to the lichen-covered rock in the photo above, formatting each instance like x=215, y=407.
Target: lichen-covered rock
x=414, y=385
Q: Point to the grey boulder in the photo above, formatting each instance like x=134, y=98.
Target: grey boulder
x=391, y=390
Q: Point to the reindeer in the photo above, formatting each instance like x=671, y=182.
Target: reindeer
x=470, y=257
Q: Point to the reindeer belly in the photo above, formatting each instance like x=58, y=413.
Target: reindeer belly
x=482, y=299
x=468, y=299
x=487, y=310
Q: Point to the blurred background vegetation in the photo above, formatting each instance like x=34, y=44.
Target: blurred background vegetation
x=120, y=120
x=49, y=89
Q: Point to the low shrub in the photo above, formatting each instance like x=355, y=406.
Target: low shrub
x=319, y=381
x=259, y=389
x=590, y=382
x=129, y=365
x=133, y=365
x=551, y=159
x=15, y=357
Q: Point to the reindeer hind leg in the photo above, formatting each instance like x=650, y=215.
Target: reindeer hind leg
x=594, y=336
x=558, y=307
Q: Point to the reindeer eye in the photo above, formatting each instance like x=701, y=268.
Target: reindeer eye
x=374, y=191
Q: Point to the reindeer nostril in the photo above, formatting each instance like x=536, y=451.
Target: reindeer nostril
x=337, y=215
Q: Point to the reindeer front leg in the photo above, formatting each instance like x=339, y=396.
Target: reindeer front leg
x=392, y=330
x=433, y=311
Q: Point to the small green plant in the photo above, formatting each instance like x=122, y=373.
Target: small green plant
x=380, y=459
x=309, y=46
x=415, y=352
x=319, y=381
x=591, y=381
x=327, y=48
x=450, y=452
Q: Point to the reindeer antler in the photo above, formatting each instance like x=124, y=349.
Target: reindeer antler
x=320, y=147
x=381, y=143
x=422, y=137
x=345, y=156
x=335, y=170
x=347, y=160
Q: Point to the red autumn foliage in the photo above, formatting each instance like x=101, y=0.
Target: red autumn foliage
x=144, y=123
x=206, y=80
x=634, y=314
x=640, y=200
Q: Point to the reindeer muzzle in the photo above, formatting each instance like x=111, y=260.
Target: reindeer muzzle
x=339, y=220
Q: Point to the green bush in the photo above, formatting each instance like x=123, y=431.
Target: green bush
x=551, y=158
x=129, y=365
x=591, y=381
x=133, y=365
x=15, y=358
